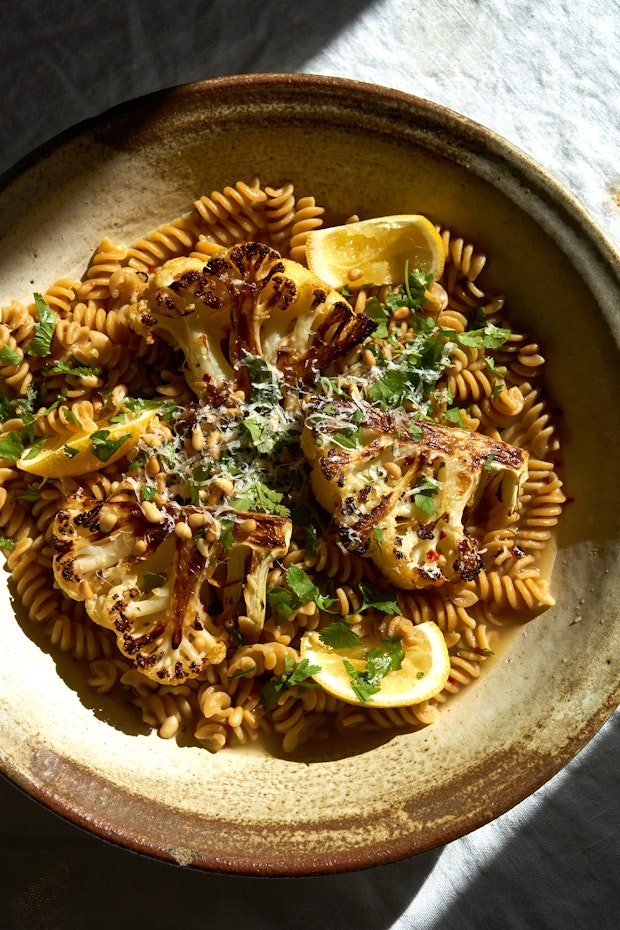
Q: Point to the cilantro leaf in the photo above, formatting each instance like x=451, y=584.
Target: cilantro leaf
x=65, y=368
x=423, y=491
x=379, y=662
x=11, y=446
x=293, y=674
x=10, y=356
x=489, y=337
x=6, y=409
x=350, y=438
x=35, y=448
x=261, y=499
x=227, y=538
x=41, y=342
x=377, y=312
x=377, y=599
x=300, y=590
x=104, y=447
x=7, y=544
x=305, y=589
x=30, y=495
x=453, y=415
x=339, y=635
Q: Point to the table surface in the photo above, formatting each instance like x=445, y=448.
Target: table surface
x=546, y=77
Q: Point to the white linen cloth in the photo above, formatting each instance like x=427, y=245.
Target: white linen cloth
x=547, y=77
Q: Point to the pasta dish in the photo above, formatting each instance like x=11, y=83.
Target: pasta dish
x=250, y=501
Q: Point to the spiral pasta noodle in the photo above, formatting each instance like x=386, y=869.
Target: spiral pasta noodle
x=97, y=360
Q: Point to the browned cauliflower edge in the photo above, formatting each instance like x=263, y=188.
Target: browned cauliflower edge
x=398, y=488
x=246, y=301
x=176, y=589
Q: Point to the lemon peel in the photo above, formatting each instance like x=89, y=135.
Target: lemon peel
x=375, y=251
x=75, y=454
x=423, y=673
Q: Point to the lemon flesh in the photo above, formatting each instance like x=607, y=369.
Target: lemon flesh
x=423, y=673
x=375, y=251
x=74, y=454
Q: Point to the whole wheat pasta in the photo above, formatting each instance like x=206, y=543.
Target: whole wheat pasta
x=103, y=365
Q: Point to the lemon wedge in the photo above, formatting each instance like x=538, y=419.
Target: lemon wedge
x=83, y=452
x=375, y=251
x=423, y=672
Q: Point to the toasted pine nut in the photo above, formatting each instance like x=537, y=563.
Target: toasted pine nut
x=198, y=439
x=150, y=511
x=393, y=469
x=182, y=530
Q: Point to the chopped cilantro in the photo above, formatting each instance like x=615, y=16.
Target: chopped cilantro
x=300, y=590
x=10, y=356
x=7, y=544
x=11, y=446
x=377, y=312
x=489, y=337
x=339, y=635
x=6, y=408
x=293, y=675
x=35, y=448
x=30, y=495
x=104, y=447
x=227, y=538
x=66, y=368
x=379, y=662
x=377, y=599
x=453, y=415
x=423, y=491
x=41, y=343
x=261, y=499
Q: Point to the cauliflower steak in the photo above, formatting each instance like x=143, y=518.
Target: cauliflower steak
x=247, y=301
x=398, y=488
x=173, y=595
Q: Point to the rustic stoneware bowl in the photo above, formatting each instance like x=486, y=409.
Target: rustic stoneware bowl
x=372, y=151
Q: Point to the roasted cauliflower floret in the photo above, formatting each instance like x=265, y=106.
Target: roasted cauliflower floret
x=246, y=301
x=171, y=594
x=398, y=488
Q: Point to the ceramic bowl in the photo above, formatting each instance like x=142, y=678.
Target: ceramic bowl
x=373, y=151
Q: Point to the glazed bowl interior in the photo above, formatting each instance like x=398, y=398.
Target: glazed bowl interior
x=369, y=151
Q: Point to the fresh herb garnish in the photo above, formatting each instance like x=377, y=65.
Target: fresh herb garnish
x=379, y=662
x=261, y=499
x=11, y=446
x=423, y=491
x=293, y=675
x=104, y=447
x=339, y=635
x=299, y=590
x=41, y=343
x=10, y=356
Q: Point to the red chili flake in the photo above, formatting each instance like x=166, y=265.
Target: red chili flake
x=432, y=555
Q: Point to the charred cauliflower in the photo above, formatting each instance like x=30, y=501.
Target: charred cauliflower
x=397, y=488
x=247, y=301
x=171, y=594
